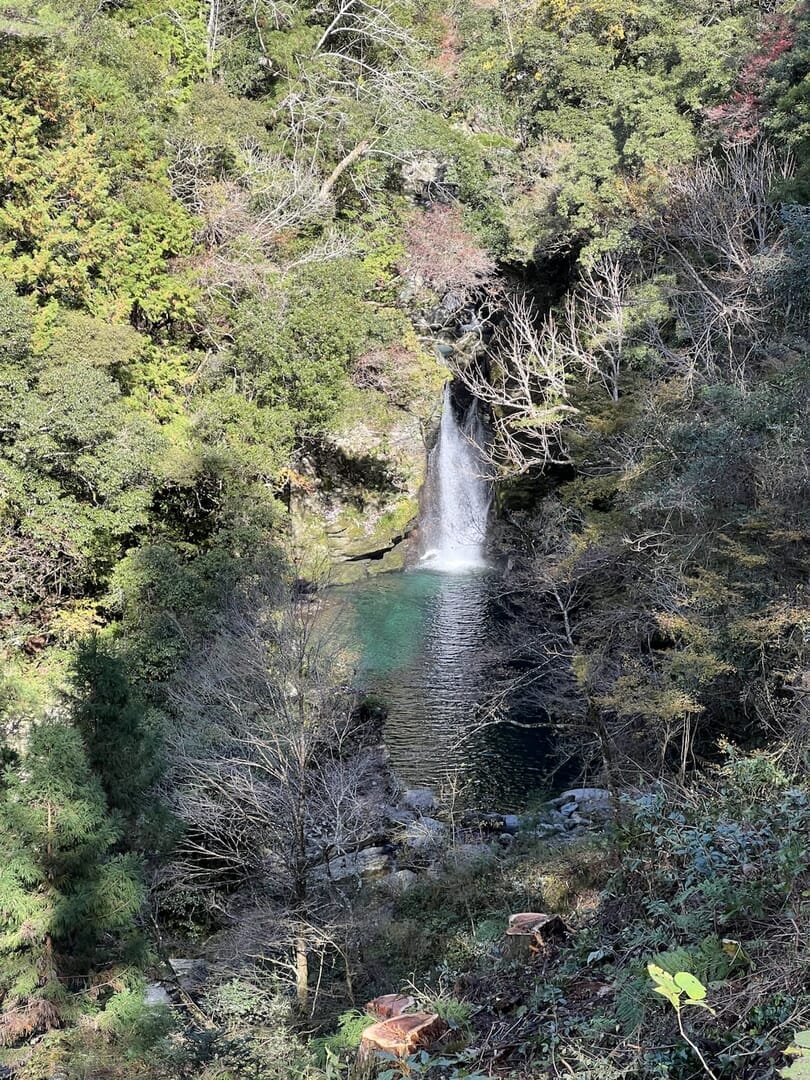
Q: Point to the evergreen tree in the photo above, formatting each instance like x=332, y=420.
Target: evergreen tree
x=60, y=889
x=121, y=748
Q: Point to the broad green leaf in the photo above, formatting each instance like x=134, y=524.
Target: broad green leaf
x=699, y=1004
x=691, y=986
x=672, y=996
x=663, y=978
x=799, y=1070
x=802, y=1038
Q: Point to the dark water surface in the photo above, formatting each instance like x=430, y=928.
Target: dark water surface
x=425, y=643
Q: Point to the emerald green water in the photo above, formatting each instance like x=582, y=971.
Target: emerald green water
x=426, y=643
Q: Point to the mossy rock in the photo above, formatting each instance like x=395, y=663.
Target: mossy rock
x=357, y=496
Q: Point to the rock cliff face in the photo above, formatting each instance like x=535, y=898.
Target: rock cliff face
x=354, y=501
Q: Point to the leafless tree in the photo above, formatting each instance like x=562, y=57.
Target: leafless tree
x=525, y=390
x=580, y=650
x=598, y=323
x=370, y=37
x=265, y=771
x=718, y=234
x=720, y=231
x=536, y=360
x=227, y=19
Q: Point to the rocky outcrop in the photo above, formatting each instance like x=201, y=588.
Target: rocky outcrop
x=354, y=499
x=577, y=810
x=414, y=838
x=424, y=834
x=369, y=864
x=586, y=800
x=400, y=881
x=419, y=800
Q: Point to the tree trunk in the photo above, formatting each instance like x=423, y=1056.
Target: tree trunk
x=342, y=166
x=301, y=972
x=211, y=37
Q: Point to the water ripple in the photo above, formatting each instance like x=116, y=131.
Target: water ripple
x=426, y=644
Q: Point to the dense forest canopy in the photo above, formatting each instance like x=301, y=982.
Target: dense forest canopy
x=235, y=237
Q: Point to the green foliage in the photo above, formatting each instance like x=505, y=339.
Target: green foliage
x=76, y=340
x=350, y=1027
x=61, y=888
x=255, y=1035
x=65, y=232
x=16, y=324
x=611, y=96
x=78, y=469
x=703, y=883
x=787, y=105
x=457, y=1014
x=679, y=989
x=164, y=596
x=194, y=268
x=122, y=747
x=294, y=351
x=177, y=37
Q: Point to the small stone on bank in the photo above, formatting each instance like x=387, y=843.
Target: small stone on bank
x=400, y=881
x=156, y=994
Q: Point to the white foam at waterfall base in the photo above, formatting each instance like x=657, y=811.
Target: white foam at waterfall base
x=455, y=525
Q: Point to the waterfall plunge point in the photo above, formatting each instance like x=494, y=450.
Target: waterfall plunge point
x=458, y=494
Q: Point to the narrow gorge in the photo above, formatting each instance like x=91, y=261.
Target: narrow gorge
x=404, y=501
x=428, y=636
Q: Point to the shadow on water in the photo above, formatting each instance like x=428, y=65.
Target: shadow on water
x=426, y=644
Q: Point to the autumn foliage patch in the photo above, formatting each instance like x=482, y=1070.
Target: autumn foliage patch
x=442, y=252
x=739, y=118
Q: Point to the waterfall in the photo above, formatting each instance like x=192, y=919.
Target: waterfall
x=457, y=493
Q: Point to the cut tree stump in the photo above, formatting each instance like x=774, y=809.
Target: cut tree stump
x=529, y=931
x=389, y=1005
x=402, y=1035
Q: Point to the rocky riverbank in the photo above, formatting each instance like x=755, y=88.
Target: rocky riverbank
x=421, y=835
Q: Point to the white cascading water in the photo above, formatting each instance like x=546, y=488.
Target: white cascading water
x=455, y=521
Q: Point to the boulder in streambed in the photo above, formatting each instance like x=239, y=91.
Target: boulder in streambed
x=400, y=881
x=585, y=798
x=425, y=832
x=591, y=807
x=546, y=829
x=420, y=800
x=396, y=815
x=370, y=864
